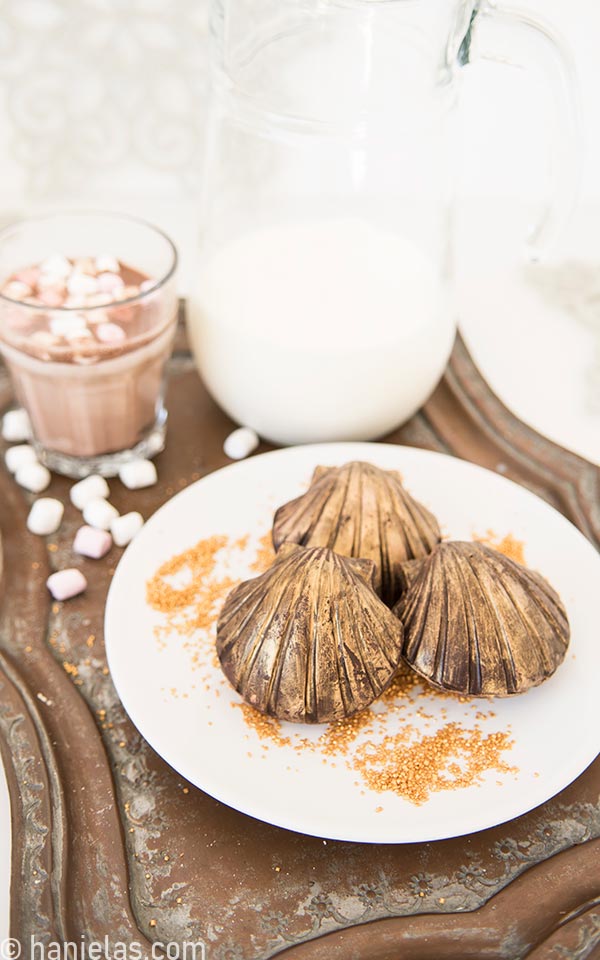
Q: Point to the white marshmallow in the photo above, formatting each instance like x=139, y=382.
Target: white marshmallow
x=49, y=281
x=67, y=325
x=241, y=443
x=128, y=292
x=125, y=528
x=80, y=284
x=85, y=265
x=146, y=285
x=110, y=333
x=16, y=426
x=93, y=487
x=99, y=513
x=16, y=290
x=110, y=283
x=137, y=474
x=56, y=266
x=65, y=584
x=45, y=516
x=105, y=263
x=16, y=457
x=33, y=477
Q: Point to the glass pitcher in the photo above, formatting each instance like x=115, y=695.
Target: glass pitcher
x=323, y=305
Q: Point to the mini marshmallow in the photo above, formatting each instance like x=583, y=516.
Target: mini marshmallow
x=91, y=542
x=93, y=487
x=28, y=275
x=137, y=474
x=85, y=265
x=16, y=290
x=78, y=335
x=80, y=284
x=56, y=266
x=99, y=513
x=125, y=528
x=52, y=297
x=97, y=300
x=146, y=285
x=44, y=342
x=49, y=281
x=16, y=426
x=16, y=457
x=45, y=516
x=128, y=292
x=66, y=583
x=110, y=333
x=109, y=283
x=241, y=443
x=67, y=325
x=33, y=477
x=105, y=263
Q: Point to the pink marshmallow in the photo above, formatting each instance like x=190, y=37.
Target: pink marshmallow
x=29, y=275
x=90, y=542
x=109, y=333
x=66, y=583
x=52, y=296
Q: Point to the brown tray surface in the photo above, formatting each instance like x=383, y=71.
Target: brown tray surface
x=109, y=842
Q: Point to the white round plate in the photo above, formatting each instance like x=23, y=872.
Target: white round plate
x=174, y=692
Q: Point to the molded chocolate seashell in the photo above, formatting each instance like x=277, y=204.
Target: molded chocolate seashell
x=309, y=640
x=359, y=510
x=478, y=623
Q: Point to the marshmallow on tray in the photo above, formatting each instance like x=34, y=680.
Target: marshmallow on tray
x=33, y=477
x=18, y=456
x=45, y=516
x=16, y=427
x=99, y=513
x=66, y=583
x=241, y=443
x=92, y=488
x=136, y=474
x=125, y=528
x=92, y=542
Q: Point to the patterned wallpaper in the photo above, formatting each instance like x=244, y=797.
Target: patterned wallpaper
x=101, y=102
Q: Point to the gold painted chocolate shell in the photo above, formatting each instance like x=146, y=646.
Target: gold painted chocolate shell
x=359, y=510
x=309, y=640
x=478, y=623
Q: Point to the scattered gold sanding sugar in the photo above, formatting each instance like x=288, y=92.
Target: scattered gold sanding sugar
x=415, y=766
x=408, y=763
x=508, y=545
x=199, y=560
x=266, y=727
x=265, y=556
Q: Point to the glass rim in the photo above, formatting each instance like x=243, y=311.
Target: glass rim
x=108, y=215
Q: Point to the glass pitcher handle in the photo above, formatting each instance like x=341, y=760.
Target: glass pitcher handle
x=507, y=35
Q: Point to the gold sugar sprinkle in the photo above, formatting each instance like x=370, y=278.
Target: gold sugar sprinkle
x=414, y=766
x=508, y=545
x=410, y=763
x=266, y=554
x=265, y=727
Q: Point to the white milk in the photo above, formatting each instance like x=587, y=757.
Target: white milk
x=320, y=330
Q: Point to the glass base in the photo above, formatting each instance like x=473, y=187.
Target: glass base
x=105, y=464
